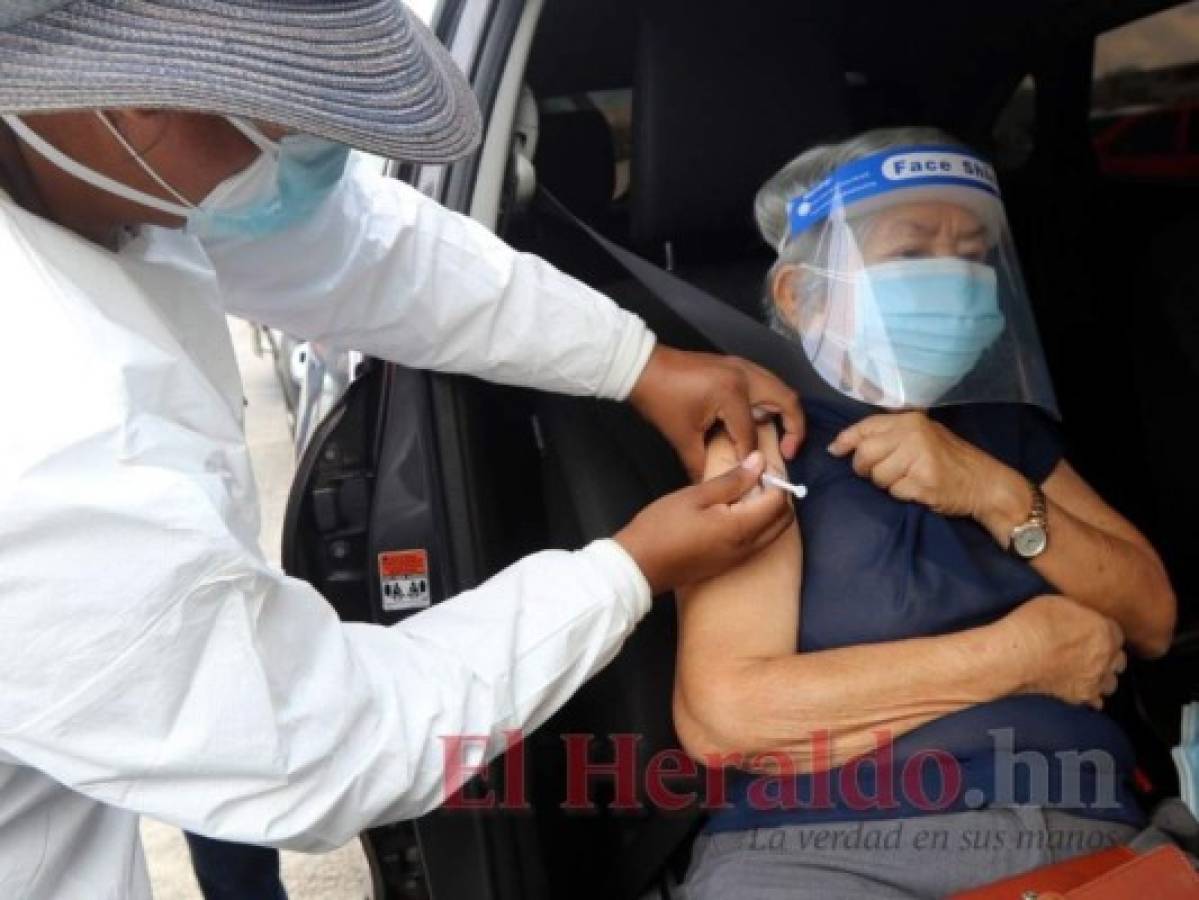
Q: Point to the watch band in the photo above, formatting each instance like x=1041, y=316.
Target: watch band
x=1039, y=514
x=1035, y=528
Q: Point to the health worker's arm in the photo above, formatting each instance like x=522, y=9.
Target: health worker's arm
x=150, y=657
x=154, y=662
x=384, y=269
x=746, y=698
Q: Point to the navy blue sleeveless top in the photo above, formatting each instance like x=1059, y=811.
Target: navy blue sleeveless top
x=878, y=569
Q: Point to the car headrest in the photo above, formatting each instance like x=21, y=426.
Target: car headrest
x=724, y=96
x=576, y=160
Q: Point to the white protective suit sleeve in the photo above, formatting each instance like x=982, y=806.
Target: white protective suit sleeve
x=152, y=660
x=383, y=269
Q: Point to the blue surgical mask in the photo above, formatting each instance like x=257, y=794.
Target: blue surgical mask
x=921, y=325
x=280, y=189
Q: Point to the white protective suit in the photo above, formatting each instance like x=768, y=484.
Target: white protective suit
x=151, y=661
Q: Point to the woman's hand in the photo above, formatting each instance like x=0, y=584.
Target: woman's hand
x=706, y=529
x=919, y=460
x=1066, y=650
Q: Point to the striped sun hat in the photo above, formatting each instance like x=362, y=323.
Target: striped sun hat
x=367, y=73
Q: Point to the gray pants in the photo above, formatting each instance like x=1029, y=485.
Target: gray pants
x=927, y=856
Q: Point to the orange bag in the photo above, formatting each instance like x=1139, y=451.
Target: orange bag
x=1113, y=874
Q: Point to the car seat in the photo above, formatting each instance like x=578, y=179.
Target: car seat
x=705, y=138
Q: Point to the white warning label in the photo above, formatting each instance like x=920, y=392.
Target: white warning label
x=404, y=580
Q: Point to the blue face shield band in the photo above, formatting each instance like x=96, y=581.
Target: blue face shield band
x=865, y=183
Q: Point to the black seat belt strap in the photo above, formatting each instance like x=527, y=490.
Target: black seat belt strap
x=724, y=327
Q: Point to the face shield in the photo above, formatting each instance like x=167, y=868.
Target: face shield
x=906, y=292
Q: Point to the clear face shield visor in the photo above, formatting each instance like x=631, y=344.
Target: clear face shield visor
x=904, y=287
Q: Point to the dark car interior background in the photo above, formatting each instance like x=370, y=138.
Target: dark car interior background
x=658, y=121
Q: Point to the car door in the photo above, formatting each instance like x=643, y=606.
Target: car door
x=391, y=509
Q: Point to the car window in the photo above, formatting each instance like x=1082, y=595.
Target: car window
x=1153, y=135
x=1143, y=68
x=616, y=106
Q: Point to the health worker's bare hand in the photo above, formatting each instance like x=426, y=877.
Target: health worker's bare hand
x=706, y=529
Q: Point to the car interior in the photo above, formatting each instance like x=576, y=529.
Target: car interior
x=656, y=122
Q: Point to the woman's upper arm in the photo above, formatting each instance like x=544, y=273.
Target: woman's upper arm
x=1070, y=491
x=749, y=613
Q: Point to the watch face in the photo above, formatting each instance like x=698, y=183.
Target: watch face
x=1030, y=541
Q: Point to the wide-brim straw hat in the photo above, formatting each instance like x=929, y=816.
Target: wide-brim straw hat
x=367, y=73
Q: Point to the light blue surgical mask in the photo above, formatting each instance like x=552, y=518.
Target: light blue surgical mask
x=921, y=325
x=281, y=188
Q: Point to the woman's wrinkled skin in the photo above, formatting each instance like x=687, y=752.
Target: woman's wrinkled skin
x=909, y=231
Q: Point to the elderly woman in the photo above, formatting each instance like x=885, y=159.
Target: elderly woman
x=926, y=714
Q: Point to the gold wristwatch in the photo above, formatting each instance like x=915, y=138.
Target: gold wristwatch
x=1030, y=540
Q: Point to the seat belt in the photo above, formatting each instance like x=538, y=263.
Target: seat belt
x=726, y=328
x=730, y=331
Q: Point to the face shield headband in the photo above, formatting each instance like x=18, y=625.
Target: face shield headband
x=864, y=183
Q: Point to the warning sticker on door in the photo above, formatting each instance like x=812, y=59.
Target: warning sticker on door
x=404, y=580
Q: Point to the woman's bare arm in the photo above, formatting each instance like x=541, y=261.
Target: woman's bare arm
x=745, y=697
x=1095, y=555
x=742, y=690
